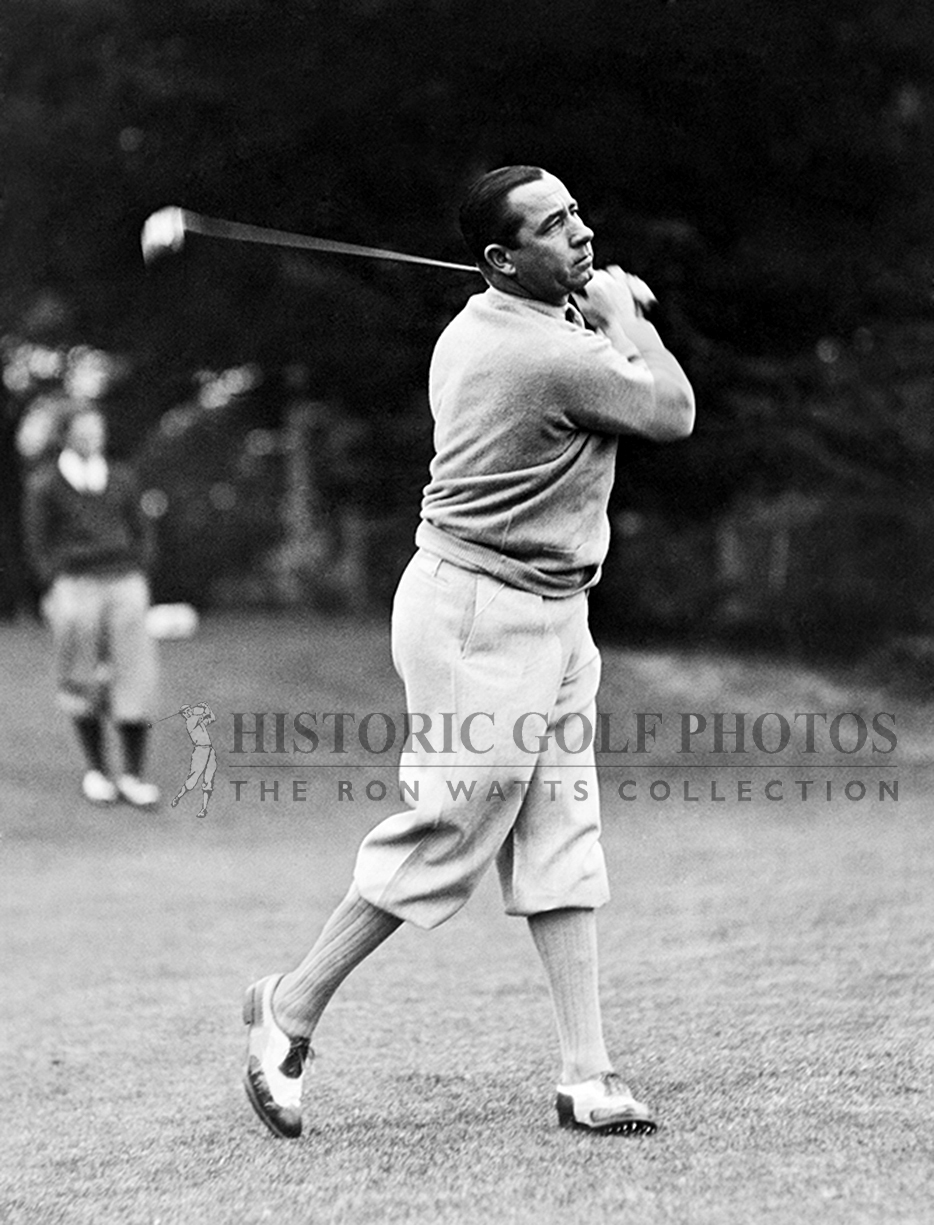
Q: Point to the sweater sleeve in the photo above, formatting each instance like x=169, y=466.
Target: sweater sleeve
x=138, y=523
x=38, y=527
x=636, y=388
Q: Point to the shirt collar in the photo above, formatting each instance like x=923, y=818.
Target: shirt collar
x=498, y=298
x=86, y=475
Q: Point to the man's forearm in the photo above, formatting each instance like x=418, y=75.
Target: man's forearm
x=674, y=396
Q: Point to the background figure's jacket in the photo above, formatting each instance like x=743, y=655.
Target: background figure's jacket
x=72, y=532
x=527, y=407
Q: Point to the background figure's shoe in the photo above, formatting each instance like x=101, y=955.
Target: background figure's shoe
x=604, y=1104
x=275, y=1063
x=98, y=788
x=136, y=792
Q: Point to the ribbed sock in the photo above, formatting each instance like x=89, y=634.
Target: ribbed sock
x=90, y=731
x=133, y=742
x=567, y=944
x=352, y=932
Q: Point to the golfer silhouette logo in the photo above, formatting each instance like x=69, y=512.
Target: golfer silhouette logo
x=203, y=758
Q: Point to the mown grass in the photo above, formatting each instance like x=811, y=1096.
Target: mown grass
x=767, y=976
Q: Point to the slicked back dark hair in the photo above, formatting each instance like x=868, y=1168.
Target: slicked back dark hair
x=485, y=215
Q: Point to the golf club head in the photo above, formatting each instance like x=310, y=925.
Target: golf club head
x=163, y=231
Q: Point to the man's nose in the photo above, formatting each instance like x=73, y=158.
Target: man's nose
x=582, y=232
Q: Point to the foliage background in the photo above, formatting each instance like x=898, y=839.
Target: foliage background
x=769, y=169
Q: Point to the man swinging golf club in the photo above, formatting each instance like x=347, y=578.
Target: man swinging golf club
x=491, y=616
x=203, y=765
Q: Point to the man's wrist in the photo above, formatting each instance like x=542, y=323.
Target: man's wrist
x=643, y=334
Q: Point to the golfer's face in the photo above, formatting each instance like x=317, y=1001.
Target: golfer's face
x=87, y=434
x=552, y=255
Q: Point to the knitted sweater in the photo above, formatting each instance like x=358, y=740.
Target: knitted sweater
x=528, y=407
x=72, y=532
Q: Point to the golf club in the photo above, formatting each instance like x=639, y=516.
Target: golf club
x=165, y=230
x=164, y=717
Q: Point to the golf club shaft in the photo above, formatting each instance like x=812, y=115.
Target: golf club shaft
x=215, y=227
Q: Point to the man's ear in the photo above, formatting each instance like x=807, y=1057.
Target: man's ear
x=498, y=259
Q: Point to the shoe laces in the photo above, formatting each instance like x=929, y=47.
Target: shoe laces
x=614, y=1085
x=294, y=1063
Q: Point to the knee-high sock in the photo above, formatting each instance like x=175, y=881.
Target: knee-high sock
x=352, y=932
x=567, y=944
x=133, y=741
x=90, y=731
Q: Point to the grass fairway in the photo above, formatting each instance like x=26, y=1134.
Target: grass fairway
x=767, y=972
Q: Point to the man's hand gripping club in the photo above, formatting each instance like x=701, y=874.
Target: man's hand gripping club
x=613, y=297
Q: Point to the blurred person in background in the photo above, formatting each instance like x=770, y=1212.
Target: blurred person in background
x=90, y=547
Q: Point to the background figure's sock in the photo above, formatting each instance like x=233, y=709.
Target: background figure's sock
x=352, y=932
x=90, y=729
x=133, y=742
